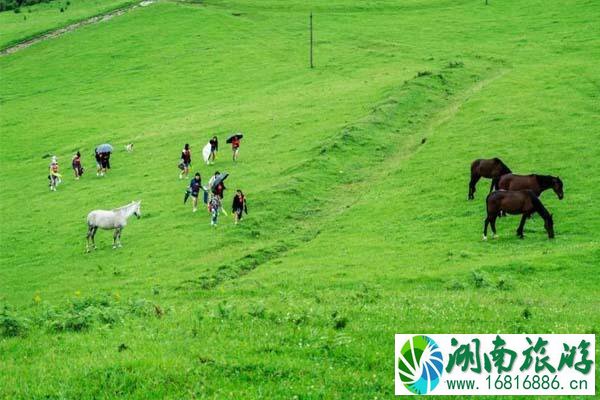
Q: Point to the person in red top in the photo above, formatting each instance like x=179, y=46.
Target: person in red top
x=186, y=161
x=235, y=146
x=76, y=164
x=219, y=189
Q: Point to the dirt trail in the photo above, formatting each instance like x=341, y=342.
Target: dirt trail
x=61, y=31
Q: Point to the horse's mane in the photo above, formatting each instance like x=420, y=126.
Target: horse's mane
x=544, y=180
x=123, y=207
x=505, y=169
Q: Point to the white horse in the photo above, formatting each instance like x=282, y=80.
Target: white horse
x=114, y=219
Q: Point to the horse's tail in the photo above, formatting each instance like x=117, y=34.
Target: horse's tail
x=487, y=201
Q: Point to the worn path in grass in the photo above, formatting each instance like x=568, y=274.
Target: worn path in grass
x=46, y=20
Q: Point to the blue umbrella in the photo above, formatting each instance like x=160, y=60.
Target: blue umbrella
x=104, y=148
x=220, y=178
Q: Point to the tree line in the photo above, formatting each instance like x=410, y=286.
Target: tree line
x=6, y=5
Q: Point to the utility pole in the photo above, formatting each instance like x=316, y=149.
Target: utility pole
x=311, y=41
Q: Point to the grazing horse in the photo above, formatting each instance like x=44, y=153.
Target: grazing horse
x=537, y=183
x=492, y=168
x=114, y=219
x=523, y=202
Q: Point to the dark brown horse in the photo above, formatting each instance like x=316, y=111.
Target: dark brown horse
x=537, y=183
x=492, y=168
x=523, y=202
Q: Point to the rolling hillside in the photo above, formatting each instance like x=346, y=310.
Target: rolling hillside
x=34, y=20
x=356, y=176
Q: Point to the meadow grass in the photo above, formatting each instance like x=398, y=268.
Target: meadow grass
x=44, y=17
x=357, y=228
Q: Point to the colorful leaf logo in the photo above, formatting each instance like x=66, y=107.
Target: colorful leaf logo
x=420, y=364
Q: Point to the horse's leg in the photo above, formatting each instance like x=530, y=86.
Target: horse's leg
x=494, y=186
x=87, y=239
x=474, y=178
x=115, y=235
x=493, y=224
x=522, y=225
x=485, y=226
x=119, y=237
x=94, y=236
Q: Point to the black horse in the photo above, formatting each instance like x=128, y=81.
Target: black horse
x=523, y=202
x=537, y=183
x=492, y=168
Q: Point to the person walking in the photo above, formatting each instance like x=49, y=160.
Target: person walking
x=214, y=206
x=76, y=164
x=103, y=163
x=239, y=206
x=235, y=147
x=106, y=159
x=214, y=148
x=54, y=175
x=210, y=187
x=219, y=190
x=194, y=190
x=186, y=161
x=98, y=162
x=211, y=181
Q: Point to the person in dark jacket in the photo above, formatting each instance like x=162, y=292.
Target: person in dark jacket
x=98, y=163
x=104, y=163
x=239, y=206
x=194, y=190
x=107, y=161
x=214, y=147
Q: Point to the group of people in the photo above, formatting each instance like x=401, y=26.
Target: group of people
x=102, y=162
x=213, y=195
x=54, y=176
x=235, y=141
x=214, y=191
x=102, y=167
x=213, y=144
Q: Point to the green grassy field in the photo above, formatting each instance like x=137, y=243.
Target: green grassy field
x=357, y=230
x=43, y=17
